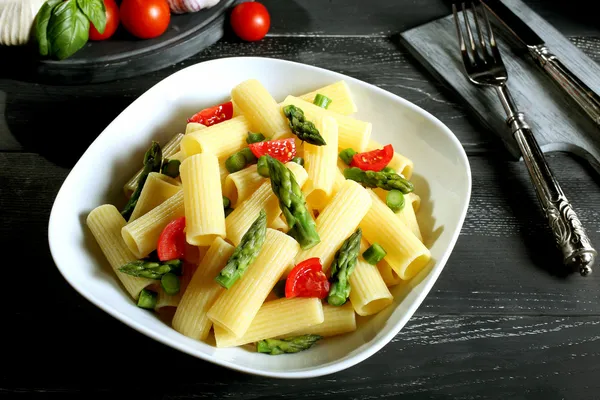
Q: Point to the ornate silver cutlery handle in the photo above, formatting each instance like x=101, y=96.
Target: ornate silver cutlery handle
x=569, y=234
x=573, y=86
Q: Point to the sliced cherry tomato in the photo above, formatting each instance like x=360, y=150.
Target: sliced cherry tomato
x=283, y=149
x=374, y=160
x=213, y=115
x=307, y=279
x=112, y=22
x=145, y=19
x=250, y=21
x=171, y=242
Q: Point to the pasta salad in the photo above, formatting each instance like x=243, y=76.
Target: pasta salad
x=267, y=224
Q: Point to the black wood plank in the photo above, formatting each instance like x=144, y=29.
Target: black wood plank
x=384, y=17
x=80, y=113
x=504, y=261
x=87, y=353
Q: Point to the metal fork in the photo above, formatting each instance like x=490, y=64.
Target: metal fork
x=484, y=67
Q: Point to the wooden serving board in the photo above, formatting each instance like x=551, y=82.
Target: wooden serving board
x=124, y=56
x=556, y=120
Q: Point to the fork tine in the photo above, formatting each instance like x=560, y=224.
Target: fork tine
x=479, y=32
x=492, y=38
x=474, y=51
x=461, y=39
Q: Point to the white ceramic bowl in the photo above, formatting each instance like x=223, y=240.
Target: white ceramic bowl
x=442, y=178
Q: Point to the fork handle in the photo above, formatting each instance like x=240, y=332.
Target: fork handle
x=573, y=86
x=569, y=234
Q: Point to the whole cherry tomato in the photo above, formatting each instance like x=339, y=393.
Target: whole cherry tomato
x=250, y=21
x=112, y=22
x=145, y=19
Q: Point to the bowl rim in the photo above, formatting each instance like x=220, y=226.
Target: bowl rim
x=325, y=369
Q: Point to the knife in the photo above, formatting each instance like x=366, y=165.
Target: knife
x=573, y=86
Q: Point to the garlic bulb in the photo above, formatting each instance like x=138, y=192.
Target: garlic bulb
x=16, y=20
x=188, y=6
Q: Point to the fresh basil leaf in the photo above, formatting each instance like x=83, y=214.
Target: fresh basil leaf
x=68, y=29
x=94, y=10
x=41, y=25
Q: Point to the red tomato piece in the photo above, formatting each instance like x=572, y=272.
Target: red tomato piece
x=283, y=149
x=307, y=279
x=112, y=22
x=145, y=19
x=213, y=115
x=171, y=242
x=250, y=21
x=374, y=160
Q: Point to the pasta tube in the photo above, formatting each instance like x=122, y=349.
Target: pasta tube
x=141, y=235
x=339, y=93
x=235, y=309
x=275, y=318
x=321, y=163
x=191, y=316
x=405, y=253
x=260, y=108
x=105, y=222
x=157, y=188
x=204, y=214
x=222, y=139
x=339, y=219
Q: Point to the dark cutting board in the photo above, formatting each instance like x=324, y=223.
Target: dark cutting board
x=124, y=56
x=557, y=122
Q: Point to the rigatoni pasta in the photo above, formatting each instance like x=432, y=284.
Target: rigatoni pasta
x=221, y=140
x=260, y=230
x=275, y=318
x=405, y=253
x=142, y=234
x=321, y=163
x=339, y=93
x=204, y=213
x=235, y=309
x=337, y=221
x=105, y=222
x=191, y=317
x=157, y=188
x=260, y=108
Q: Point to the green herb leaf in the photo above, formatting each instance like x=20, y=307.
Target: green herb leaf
x=94, y=10
x=41, y=25
x=68, y=29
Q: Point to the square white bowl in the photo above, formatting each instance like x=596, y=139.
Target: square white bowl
x=442, y=177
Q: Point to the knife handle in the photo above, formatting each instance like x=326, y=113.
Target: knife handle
x=575, y=88
x=569, y=234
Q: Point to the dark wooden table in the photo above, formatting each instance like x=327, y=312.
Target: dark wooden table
x=501, y=322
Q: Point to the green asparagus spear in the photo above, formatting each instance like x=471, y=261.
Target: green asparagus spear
x=342, y=266
x=292, y=204
x=305, y=130
x=245, y=253
x=289, y=345
x=152, y=163
x=171, y=168
x=381, y=179
x=151, y=269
